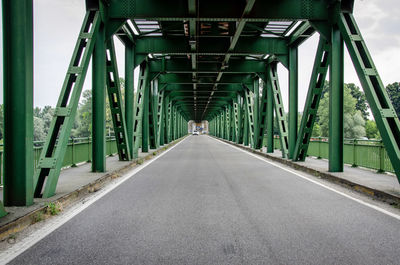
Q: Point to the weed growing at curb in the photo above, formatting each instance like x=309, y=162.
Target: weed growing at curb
x=38, y=217
x=54, y=208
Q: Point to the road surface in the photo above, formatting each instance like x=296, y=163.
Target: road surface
x=205, y=202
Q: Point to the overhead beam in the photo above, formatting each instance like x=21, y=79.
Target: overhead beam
x=185, y=66
x=244, y=46
x=187, y=79
x=222, y=10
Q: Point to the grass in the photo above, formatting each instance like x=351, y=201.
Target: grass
x=54, y=208
x=38, y=217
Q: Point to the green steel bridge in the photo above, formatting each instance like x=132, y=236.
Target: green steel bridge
x=199, y=60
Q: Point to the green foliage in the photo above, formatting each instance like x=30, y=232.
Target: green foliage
x=38, y=129
x=361, y=103
x=372, y=130
x=394, y=95
x=353, y=125
x=38, y=217
x=54, y=208
x=316, y=130
x=353, y=122
x=84, y=116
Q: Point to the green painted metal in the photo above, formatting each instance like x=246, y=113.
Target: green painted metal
x=317, y=82
x=170, y=120
x=364, y=153
x=99, y=103
x=262, y=11
x=52, y=154
x=270, y=118
x=239, y=127
x=204, y=61
x=262, y=118
x=143, y=85
x=336, y=75
x=146, y=118
x=279, y=109
x=160, y=118
x=228, y=122
x=236, y=125
x=153, y=105
x=18, y=103
x=381, y=106
x=250, y=115
x=293, y=98
x=256, y=110
x=129, y=93
x=115, y=101
x=175, y=122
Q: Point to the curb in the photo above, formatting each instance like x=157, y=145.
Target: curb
x=25, y=221
x=365, y=190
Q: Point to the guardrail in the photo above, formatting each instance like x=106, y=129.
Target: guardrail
x=356, y=152
x=78, y=150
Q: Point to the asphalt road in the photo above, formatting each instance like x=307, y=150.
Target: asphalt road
x=205, y=202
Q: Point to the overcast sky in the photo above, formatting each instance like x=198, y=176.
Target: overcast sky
x=57, y=24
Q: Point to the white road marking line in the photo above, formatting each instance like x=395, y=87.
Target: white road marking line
x=58, y=221
x=379, y=209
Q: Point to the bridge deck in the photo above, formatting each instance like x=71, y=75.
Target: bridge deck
x=205, y=202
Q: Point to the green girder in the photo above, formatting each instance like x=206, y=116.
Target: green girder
x=115, y=101
x=279, y=109
x=314, y=94
x=52, y=156
x=143, y=84
x=375, y=92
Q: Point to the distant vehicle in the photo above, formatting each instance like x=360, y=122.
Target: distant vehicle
x=196, y=133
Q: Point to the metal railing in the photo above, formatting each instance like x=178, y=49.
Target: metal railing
x=78, y=150
x=356, y=152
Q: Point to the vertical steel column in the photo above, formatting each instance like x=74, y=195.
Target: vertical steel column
x=336, y=103
x=175, y=122
x=239, y=139
x=99, y=103
x=270, y=118
x=245, y=123
x=160, y=119
x=153, y=106
x=18, y=103
x=165, y=119
x=217, y=118
x=139, y=108
x=145, y=120
x=129, y=92
x=169, y=122
x=256, y=110
x=293, y=99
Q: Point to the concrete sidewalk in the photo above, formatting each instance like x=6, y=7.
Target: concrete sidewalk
x=74, y=183
x=383, y=186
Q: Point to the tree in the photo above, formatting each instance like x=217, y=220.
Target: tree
x=84, y=128
x=394, y=95
x=38, y=129
x=371, y=130
x=361, y=103
x=353, y=126
x=316, y=132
